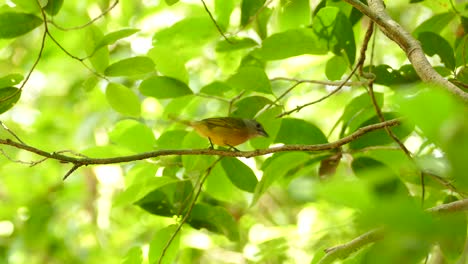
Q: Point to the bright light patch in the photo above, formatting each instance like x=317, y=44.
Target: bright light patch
x=141, y=45
x=152, y=108
x=101, y=137
x=6, y=228
x=160, y=20
x=24, y=115
x=413, y=143
x=198, y=240
x=306, y=220
x=10, y=3
x=110, y=178
x=110, y=175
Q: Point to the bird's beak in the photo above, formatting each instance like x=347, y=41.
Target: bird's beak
x=263, y=133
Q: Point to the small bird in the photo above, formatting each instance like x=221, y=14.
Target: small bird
x=227, y=131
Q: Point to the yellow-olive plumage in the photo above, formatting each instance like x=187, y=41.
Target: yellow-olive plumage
x=227, y=131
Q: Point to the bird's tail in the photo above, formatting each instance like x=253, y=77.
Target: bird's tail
x=178, y=120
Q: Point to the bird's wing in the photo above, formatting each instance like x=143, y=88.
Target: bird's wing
x=226, y=122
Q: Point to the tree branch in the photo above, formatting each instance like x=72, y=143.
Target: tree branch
x=344, y=250
x=85, y=161
x=189, y=210
x=87, y=23
x=376, y=12
x=216, y=23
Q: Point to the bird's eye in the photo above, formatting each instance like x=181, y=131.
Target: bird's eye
x=259, y=126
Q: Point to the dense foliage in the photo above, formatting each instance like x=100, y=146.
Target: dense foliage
x=361, y=141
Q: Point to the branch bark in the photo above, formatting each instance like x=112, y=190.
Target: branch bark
x=344, y=250
x=79, y=161
x=394, y=31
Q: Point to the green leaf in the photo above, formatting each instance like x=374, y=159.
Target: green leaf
x=142, y=188
x=248, y=9
x=453, y=241
x=30, y=6
x=90, y=83
x=13, y=24
x=196, y=163
x=335, y=32
x=435, y=23
x=123, y=99
x=8, y=98
x=53, y=7
x=384, y=74
x=10, y=80
x=166, y=199
x=261, y=25
x=380, y=137
x=358, y=110
x=461, y=52
x=291, y=43
x=294, y=14
x=299, y=131
x=382, y=178
x=335, y=68
x=216, y=88
x=446, y=125
x=223, y=10
x=250, y=79
x=159, y=242
x=166, y=140
x=388, y=76
x=106, y=151
x=345, y=192
x=248, y=107
x=112, y=37
x=171, y=2
x=239, y=174
x=130, y=66
x=215, y=219
x=133, y=256
x=197, y=31
x=433, y=44
x=168, y=63
x=162, y=87
x=220, y=187
x=133, y=135
x=462, y=74
x=236, y=44
x=277, y=169
x=99, y=58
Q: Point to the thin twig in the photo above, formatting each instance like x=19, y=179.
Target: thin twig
x=298, y=82
x=344, y=250
x=87, y=23
x=233, y=100
x=216, y=23
x=147, y=155
x=74, y=168
x=378, y=111
x=328, y=83
x=189, y=211
x=81, y=60
x=359, y=65
x=11, y=133
x=252, y=18
x=14, y=160
x=298, y=108
x=394, y=31
x=41, y=49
